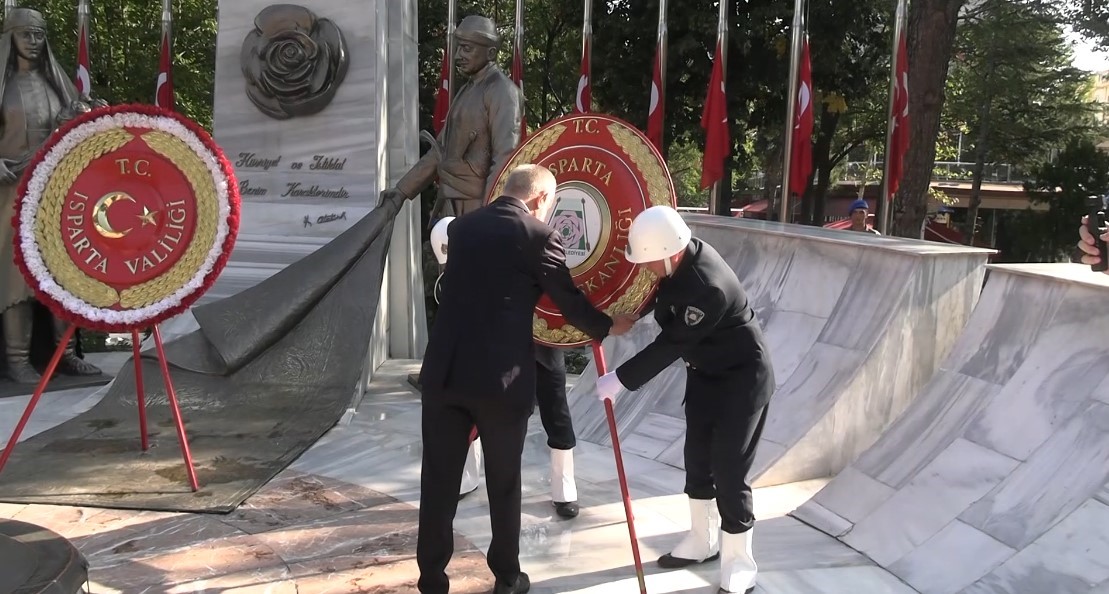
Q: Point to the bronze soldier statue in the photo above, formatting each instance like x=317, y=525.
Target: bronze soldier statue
x=482, y=128
x=36, y=96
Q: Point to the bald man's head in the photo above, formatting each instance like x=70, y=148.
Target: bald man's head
x=535, y=186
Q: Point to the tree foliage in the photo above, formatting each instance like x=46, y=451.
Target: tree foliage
x=1063, y=185
x=125, y=38
x=1014, y=87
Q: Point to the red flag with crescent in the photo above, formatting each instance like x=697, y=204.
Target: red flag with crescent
x=518, y=78
x=83, y=82
x=163, y=94
x=899, y=137
x=714, y=120
x=584, y=100
x=656, y=116
x=801, y=162
x=443, y=97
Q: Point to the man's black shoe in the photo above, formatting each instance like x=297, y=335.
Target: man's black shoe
x=523, y=584
x=566, y=509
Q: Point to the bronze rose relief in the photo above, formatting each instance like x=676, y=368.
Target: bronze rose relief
x=293, y=62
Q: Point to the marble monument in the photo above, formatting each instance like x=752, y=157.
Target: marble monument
x=316, y=107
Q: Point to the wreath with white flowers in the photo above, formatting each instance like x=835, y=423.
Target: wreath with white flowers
x=58, y=282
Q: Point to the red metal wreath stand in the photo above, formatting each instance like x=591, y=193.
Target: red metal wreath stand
x=602, y=368
x=52, y=367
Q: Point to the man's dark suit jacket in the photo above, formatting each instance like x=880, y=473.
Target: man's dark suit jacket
x=500, y=261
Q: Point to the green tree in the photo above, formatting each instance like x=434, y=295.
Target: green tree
x=1079, y=171
x=1013, y=86
x=125, y=38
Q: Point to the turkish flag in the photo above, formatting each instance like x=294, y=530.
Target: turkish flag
x=518, y=78
x=899, y=122
x=656, y=117
x=443, y=98
x=163, y=92
x=800, y=165
x=584, y=101
x=714, y=120
x=84, y=85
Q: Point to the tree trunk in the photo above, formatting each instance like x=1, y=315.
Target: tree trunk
x=981, y=147
x=931, y=31
x=771, y=163
x=822, y=168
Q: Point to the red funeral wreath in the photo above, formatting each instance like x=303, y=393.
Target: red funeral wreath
x=125, y=217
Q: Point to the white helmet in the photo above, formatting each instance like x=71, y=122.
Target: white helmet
x=656, y=234
x=439, y=239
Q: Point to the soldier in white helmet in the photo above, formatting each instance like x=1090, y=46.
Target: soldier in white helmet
x=706, y=321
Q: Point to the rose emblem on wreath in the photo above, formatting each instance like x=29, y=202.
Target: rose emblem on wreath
x=293, y=62
x=569, y=227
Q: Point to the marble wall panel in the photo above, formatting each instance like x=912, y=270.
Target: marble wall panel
x=958, y=477
x=940, y=415
x=951, y=560
x=870, y=300
x=1071, y=558
x=1027, y=307
x=1069, y=469
x=1061, y=371
x=853, y=495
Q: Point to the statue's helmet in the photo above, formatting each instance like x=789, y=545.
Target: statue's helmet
x=479, y=30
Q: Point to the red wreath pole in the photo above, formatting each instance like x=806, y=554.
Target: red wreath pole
x=185, y=453
x=599, y=359
x=140, y=392
x=39, y=390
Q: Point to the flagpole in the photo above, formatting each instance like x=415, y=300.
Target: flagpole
x=8, y=6
x=83, y=16
x=84, y=82
x=518, y=55
x=885, y=202
x=519, y=41
x=587, y=48
x=791, y=104
x=663, y=34
x=167, y=17
x=452, y=19
x=722, y=39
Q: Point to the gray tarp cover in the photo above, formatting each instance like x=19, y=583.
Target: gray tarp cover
x=270, y=370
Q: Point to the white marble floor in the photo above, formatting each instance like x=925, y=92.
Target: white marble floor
x=379, y=449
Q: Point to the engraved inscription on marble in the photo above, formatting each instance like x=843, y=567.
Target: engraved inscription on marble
x=289, y=185
x=293, y=62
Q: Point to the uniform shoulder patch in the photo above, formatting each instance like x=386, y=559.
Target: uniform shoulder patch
x=693, y=316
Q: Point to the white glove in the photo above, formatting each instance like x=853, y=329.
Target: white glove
x=608, y=386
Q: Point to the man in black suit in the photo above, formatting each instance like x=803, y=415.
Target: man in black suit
x=480, y=367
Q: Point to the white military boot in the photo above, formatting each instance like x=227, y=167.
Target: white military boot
x=564, y=490
x=737, y=562
x=471, y=472
x=701, y=544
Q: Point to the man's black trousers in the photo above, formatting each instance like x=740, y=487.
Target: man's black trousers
x=721, y=437
x=447, y=420
x=550, y=394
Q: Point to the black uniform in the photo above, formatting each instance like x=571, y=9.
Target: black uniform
x=550, y=394
x=706, y=320
x=480, y=369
